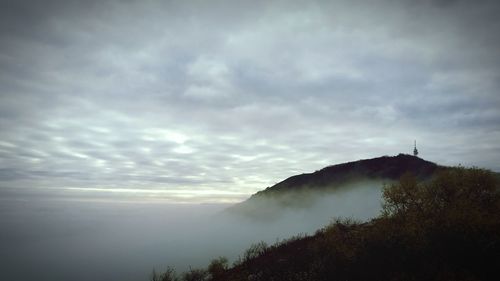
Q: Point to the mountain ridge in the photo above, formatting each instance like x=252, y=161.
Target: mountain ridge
x=393, y=167
x=295, y=191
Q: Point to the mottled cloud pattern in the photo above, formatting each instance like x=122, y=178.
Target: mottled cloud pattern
x=218, y=99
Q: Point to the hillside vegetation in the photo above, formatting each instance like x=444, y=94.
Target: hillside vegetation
x=447, y=228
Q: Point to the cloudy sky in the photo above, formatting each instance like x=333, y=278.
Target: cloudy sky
x=214, y=100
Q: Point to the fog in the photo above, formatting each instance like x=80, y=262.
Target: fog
x=70, y=235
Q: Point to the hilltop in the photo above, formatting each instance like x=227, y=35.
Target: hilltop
x=385, y=167
x=301, y=191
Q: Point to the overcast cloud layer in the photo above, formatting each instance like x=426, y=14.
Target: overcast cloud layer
x=214, y=100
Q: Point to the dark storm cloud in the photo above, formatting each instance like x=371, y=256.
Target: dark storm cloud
x=231, y=95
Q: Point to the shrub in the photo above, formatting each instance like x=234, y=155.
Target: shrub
x=218, y=267
x=255, y=250
x=195, y=275
x=168, y=275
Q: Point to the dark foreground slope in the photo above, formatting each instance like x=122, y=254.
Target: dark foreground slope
x=447, y=228
x=302, y=190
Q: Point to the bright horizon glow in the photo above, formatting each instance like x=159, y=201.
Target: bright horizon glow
x=181, y=196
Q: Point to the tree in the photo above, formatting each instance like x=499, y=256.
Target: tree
x=455, y=196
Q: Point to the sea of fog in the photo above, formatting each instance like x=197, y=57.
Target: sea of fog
x=48, y=235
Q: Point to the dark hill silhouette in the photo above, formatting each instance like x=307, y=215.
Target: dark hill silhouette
x=295, y=191
x=385, y=167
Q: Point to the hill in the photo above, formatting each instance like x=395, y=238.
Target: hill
x=385, y=167
x=303, y=190
x=446, y=228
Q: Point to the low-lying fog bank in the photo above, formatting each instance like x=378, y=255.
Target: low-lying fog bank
x=87, y=238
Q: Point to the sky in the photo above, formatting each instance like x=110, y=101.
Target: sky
x=211, y=101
